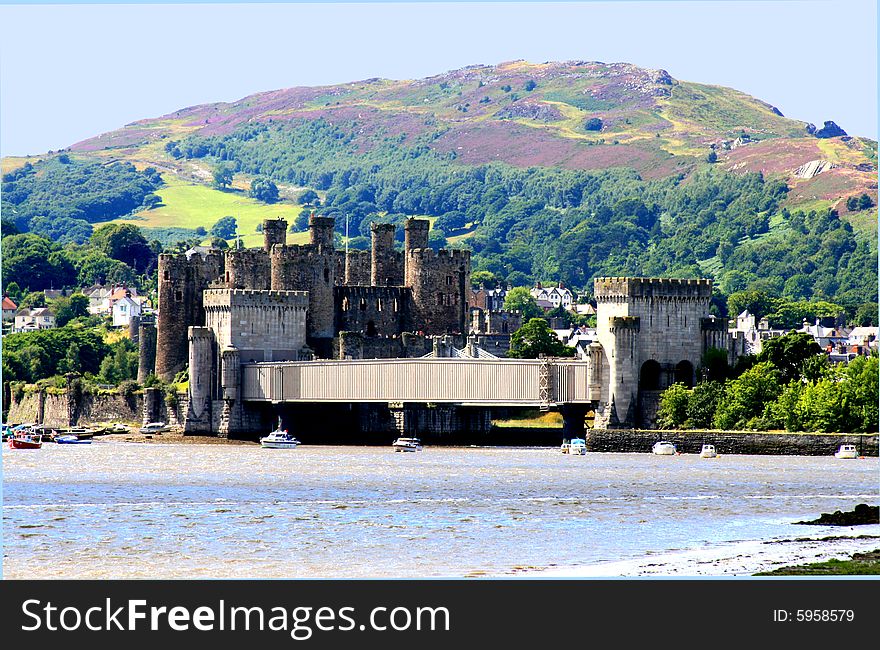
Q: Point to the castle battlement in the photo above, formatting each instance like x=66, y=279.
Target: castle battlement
x=623, y=288
x=254, y=298
x=624, y=323
x=363, y=291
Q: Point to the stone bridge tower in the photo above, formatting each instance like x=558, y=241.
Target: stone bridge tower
x=653, y=332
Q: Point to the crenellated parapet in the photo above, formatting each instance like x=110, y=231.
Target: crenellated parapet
x=622, y=289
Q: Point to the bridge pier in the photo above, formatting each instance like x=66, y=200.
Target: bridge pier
x=573, y=417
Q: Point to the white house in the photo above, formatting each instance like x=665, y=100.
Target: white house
x=555, y=296
x=123, y=309
x=28, y=320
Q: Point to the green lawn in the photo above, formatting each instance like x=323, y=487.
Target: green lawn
x=190, y=206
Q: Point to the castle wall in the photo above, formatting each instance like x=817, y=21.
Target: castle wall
x=261, y=325
x=440, y=282
x=248, y=268
x=375, y=311
x=354, y=345
x=182, y=279
x=309, y=268
x=357, y=268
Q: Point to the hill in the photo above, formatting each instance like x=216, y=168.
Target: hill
x=560, y=170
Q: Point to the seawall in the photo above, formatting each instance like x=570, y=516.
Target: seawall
x=731, y=442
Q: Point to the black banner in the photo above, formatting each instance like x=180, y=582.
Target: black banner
x=436, y=613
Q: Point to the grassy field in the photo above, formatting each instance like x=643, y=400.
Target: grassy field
x=189, y=206
x=537, y=419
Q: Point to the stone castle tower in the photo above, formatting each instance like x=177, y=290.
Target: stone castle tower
x=653, y=333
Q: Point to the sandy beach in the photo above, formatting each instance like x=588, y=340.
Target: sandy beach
x=737, y=559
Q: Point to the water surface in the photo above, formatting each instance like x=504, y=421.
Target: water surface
x=122, y=510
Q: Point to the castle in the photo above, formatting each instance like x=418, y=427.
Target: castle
x=263, y=295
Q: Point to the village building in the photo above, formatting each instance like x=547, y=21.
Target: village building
x=29, y=320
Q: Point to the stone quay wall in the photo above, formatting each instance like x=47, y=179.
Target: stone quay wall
x=731, y=442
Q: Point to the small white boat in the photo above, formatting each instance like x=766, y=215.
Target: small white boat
x=847, y=451
x=154, y=427
x=663, y=448
x=279, y=439
x=708, y=451
x=575, y=447
x=407, y=444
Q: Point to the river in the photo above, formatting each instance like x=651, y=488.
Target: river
x=130, y=510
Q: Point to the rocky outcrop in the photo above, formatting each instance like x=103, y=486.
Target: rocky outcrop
x=813, y=168
x=531, y=111
x=830, y=130
x=862, y=514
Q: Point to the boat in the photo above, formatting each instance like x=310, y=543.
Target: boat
x=708, y=451
x=575, y=447
x=24, y=440
x=70, y=439
x=847, y=451
x=154, y=427
x=407, y=444
x=663, y=448
x=279, y=439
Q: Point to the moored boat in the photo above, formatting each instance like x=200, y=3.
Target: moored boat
x=708, y=451
x=154, y=427
x=407, y=444
x=70, y=439
x=847, y=451
x=575, y=447
x=24, y=440
x=663, y=448
x=279, y=439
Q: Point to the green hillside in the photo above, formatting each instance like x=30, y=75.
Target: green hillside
x=555, y=171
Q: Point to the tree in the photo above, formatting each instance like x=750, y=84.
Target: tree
x=519, y=299
x=866, y=315
x=672, y=413
x=703, y=403
x=486, y=278
x=865, y=202
x=309, y=197
x=152, y=200
x=126, y=243
x=225, y=228
x=593, y=124
x=746, y=397
x=757, y=303
x=68, y=308
x=788, y=353
x=264, y=190
x=852, y=204
x=535, y=338
x=530, y=85
x=712, y=157
x=222, y=177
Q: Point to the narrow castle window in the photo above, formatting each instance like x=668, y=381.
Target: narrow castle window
x=167, y=275
x=448, y=280
x=178, y=295
x=326, y=274
x=396, y=305
x=378, y=304
x=363, y=304
x=345, y=304
x=439, y=299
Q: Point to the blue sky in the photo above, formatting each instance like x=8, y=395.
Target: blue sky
x=68, y=72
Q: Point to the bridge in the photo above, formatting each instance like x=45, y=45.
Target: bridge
x=480, y=382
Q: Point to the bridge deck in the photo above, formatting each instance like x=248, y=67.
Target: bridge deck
x=519, y=382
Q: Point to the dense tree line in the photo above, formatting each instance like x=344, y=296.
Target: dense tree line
x=548, y=223
x=61, y=197
x=790, y=385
